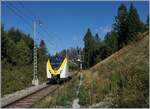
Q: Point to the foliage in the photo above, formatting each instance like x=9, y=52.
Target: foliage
x=120, y=25
x=83, y=96
x=62, y=97
x=22, y=54
x=134, y=23
x=42, y=60
x=111, y=42
x=72, y=56
x=125, y=86
x=126, y=28
x=17, y=60
x=15, y=78
x=147, y=23
x=97, y=47
x=42, y=48
x=88, y=49
x=91, y=48
x=123, y=77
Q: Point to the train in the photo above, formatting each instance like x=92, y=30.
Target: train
x=57, y=69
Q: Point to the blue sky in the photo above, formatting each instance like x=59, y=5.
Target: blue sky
x=65, y=23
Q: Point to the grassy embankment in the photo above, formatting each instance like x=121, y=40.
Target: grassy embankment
x=124, y=77
x=62, y=97
x=121, y=80
x=15, y=78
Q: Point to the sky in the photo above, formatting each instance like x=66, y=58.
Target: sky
x=64, y=23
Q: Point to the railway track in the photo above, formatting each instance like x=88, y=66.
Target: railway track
x=30, y=100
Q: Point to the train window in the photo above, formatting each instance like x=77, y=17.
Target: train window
x=56, y=62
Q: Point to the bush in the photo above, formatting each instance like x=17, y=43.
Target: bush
x=84, y=96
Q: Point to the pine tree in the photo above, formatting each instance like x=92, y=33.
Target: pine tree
x=42, y=59
x=4, y=42
x=42, y=51
x=147, y=23
x=88, y=49
x=23, y=53
x=98, y=45
x=18, y=53
x=120, y=25
x=111, y=42
x=97, y=42
x=103, y=52
x=42, y=48
x=134, y=23
x=15, y=34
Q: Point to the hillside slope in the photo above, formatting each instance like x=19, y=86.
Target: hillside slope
x=123, y=78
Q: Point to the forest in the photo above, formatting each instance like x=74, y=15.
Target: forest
x=127, y=25
x=17, y=49
x=125, y=29
x=17, y=60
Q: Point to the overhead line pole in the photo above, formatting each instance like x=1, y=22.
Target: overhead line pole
x=35, y=80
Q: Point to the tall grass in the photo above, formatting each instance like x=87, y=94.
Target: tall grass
x=15, y=78
x=62, y=97
x=121, y=80
x=123, y=75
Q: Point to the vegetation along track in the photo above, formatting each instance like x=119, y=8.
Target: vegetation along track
x=30, y=100
x=33, y=98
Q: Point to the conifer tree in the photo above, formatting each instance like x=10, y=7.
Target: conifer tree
x=23, y=54
x=4, y=42
x=88, y=49
x=120, y=25
x=42, y=59
x=134, y=23
x=111, y=42
x=42, y=48
x=147, y=23
x=97, y=42
x=98, y=45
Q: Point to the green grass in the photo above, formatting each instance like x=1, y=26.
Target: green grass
x=62, y=97
x=125, y=74
x=84, y=96
x=14, y=78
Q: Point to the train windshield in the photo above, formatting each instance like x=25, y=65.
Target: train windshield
x=56, y=62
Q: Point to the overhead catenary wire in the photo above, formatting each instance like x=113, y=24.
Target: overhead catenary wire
x=23, y=17
x=43, y=27
x=29, y=11
x=20, y=16
x=26, y=15
x=29, y=20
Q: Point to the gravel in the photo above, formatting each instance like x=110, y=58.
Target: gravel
x=7, y=99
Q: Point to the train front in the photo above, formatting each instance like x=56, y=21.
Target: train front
x=57, y=69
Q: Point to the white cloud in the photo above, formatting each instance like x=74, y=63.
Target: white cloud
x=104, y=29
